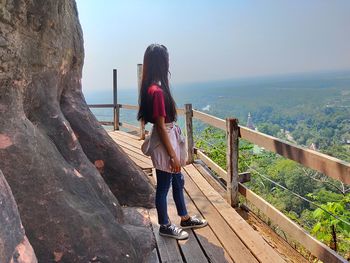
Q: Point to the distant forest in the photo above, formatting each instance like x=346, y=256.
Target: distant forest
x=316, y=116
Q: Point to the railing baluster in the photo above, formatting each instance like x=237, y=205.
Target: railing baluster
x=232, y=133
x=139, y=80
x=115, y=102
x=189, y=132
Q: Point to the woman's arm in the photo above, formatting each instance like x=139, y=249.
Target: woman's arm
x=161, y=129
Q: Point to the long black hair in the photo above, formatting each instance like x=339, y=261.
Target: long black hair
x=155, y=70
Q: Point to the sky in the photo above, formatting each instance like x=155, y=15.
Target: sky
x=213, y=40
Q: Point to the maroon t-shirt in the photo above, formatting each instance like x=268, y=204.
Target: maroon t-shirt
x=158, y=102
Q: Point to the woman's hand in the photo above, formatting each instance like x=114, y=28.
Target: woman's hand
x=175, y=165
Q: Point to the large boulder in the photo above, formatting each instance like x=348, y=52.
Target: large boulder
x=50, y=141
x=14, y=245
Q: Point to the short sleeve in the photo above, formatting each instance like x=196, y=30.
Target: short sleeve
x=158, y=104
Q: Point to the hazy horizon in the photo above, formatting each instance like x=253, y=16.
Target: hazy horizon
x=273, y=77
x=208, y=41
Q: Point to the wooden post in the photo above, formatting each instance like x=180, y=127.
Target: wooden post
x=189, y=132
x=232, y=133
x=115, y=102
x=139, y=80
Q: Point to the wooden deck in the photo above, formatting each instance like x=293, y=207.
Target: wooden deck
x=228, y=238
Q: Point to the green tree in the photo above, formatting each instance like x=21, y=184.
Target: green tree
x=334, y=231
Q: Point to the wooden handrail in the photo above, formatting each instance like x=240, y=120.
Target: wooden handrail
x=128, y=107
x=100, y=105
x=323, y=163
x=330, y=166
x=210, y=119
x=107, y=123
x=180, y=111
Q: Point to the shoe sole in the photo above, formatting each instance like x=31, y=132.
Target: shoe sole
x=195, y=226
x=175, y=237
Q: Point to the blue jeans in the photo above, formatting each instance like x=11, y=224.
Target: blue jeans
x=163, y=184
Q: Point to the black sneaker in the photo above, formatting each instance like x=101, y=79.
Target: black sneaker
x=173, y=231
x=193, y=222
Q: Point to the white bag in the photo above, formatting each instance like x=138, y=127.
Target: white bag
x=152, y=141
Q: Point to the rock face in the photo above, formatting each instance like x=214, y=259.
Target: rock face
x=50, y=141
x=14, y=245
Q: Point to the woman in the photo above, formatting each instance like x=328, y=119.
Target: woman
x=157, y=106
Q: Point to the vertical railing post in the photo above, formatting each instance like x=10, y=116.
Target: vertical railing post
x=232, y=133
x=139, y=79
x=115, y=102
x=189, y=132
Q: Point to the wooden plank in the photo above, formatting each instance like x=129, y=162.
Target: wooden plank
x=190, y=248
x=123, y=133
x=146, y=162
x=232, y=132
x=229, y=240
x=256, y=244
x=212, y=165
x=323, y=163
x=209, y=119
x=139, y=159
x=138, y=156
x=130, y=135
x=106, y=123
x=124, y=143
x=215, y=184
x=125, y=139
x=168, y=248
x=118, y=137
x=242, y=177
x=154, y=257
x=116, y=133
x=206, y=237
x=137, y=151
x=130, y=126
x=129, y=107
x=316, y=247
x=142, y=165
x=134, y=154
x=131, y=147
x=130, y=140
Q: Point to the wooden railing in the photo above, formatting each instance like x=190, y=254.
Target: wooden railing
x=330, y=166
